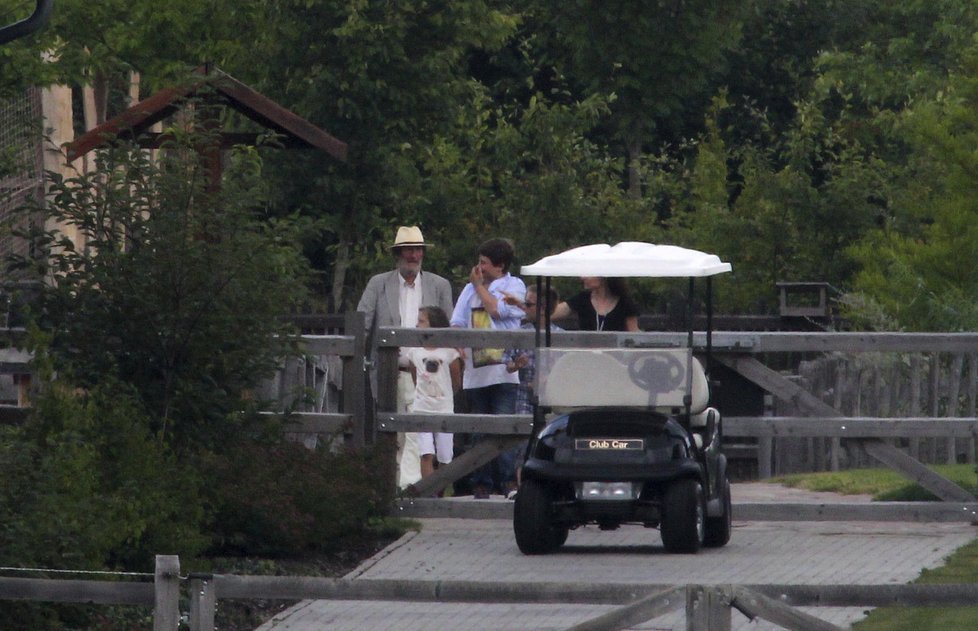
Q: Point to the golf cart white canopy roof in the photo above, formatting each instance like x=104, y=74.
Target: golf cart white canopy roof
x=628, y=259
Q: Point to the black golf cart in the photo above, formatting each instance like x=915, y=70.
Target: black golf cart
x=624, y=435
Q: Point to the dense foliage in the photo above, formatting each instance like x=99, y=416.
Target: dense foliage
x=810, y=140
x=150, y=334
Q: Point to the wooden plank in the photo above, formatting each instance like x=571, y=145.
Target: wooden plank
x=756, y=605
x=934, y=400
x=778, y=385
x=902, y=595
x=923, y=512
x=954, y=390
x=836, y=445
x=509, y=424
x=473, y=458
x=76, y=591
x=415, y=590
x=419, y=590
x=849, y=426
x=386, y=402
x=722, y=341
x=343, y=345
x=651, y=606
x=972, y=396
x=452, y=508
x=355, y=380
x=915, y=405
x=270, y=114
x=317, y=422
x=812, y=405
x=918, y=512
x=915, y=470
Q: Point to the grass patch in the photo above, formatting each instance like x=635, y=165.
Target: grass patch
x=885, y=485
x=960, y=567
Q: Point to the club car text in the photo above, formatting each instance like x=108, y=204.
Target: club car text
x=609, y=443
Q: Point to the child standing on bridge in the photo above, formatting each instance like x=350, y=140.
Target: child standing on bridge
x=437, y=376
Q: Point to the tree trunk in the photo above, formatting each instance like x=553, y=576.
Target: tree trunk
x=340, y=266
x=634, y=175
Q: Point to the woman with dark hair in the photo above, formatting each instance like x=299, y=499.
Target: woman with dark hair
x=604, y=305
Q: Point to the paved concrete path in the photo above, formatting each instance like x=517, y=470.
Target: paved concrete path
x=814, y=553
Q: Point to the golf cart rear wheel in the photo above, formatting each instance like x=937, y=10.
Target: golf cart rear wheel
x=684, y=517
x=718, y=528
x=532, y=521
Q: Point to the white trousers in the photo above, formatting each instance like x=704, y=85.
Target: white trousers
x=408, y=453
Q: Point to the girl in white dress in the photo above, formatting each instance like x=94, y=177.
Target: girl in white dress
x=437, y=376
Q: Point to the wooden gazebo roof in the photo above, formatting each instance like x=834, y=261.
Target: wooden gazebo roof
x=136, y=121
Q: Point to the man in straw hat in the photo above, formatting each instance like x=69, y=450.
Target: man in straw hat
x=393, y=299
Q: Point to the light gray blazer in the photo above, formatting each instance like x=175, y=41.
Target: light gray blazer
x=379, y=301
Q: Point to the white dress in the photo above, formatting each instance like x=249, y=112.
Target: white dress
x=433, y=393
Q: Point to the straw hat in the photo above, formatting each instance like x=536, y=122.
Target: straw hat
x=409, y=236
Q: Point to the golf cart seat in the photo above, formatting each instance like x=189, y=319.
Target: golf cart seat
x=658, y=378
x=614, y=377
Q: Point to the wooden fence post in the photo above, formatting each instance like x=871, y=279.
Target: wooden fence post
x=203, y=602
x=765, y=445
x=387, y=377
x=166, y=608
x=954, y=391
x=914, y=397
x=355, y=380
x=972, y=395
x=708, y=608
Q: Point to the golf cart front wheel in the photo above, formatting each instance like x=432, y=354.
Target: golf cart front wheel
x=684, y=517
x=533, y=522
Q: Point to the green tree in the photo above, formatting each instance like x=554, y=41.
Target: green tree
x=662, y=61
x=170, y=285
x=392, y=80
x=916, y=269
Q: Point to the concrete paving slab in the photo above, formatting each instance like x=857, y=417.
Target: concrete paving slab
x=812, y=553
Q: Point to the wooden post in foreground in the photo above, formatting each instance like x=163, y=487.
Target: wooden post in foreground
x=203, y=602
x=708, y=608
x=166, y=610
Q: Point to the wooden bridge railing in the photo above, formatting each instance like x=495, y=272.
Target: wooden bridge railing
x=707, y=607
x=742, y=352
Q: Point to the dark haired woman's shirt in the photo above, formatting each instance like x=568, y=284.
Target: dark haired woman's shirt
x=589, y=320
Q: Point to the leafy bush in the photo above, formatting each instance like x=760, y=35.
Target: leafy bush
x=282, y=499
x=87, y=485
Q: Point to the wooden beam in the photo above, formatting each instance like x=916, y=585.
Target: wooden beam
x=76, y=591
x=267, y=112
x=921, y=512
x=483, y=452
x=316, y=422
x=509, y=424
x=651, y=606
x=915, y=470
x=756, y=605
x=808, y=403
x=735, y=342
x=850, y=427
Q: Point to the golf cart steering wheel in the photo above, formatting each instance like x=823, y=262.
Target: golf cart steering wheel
x=664, y=370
